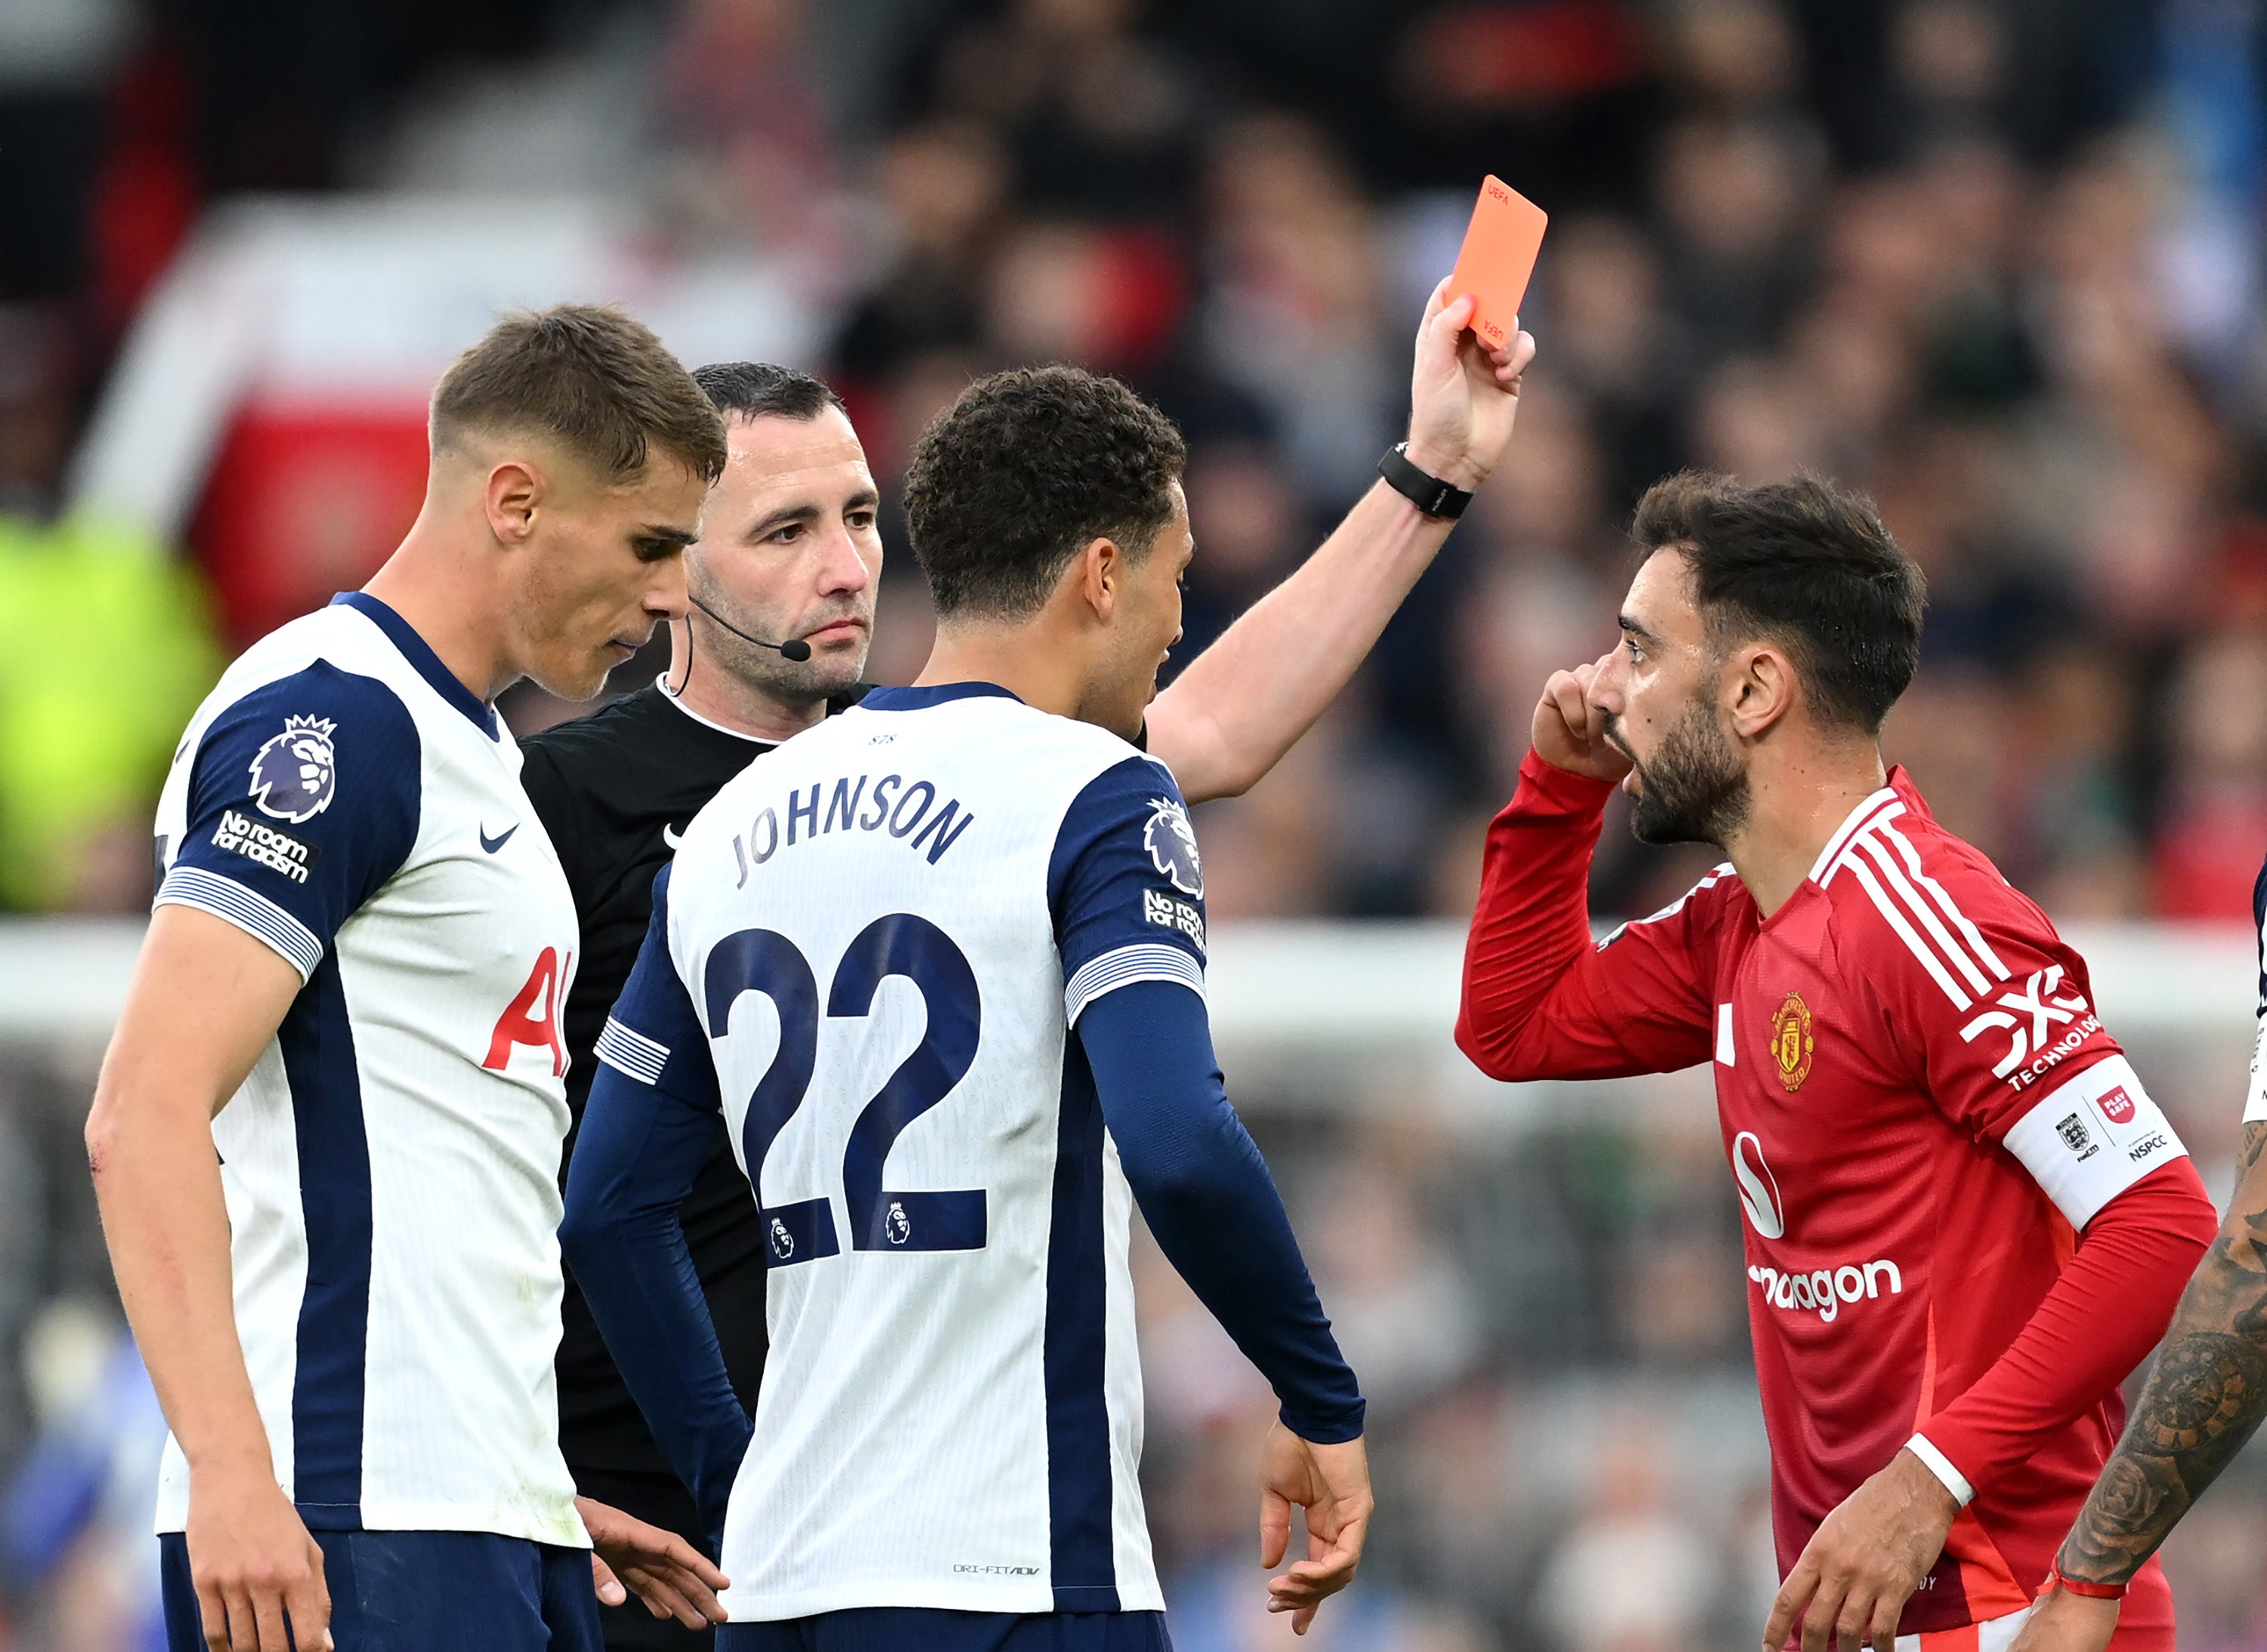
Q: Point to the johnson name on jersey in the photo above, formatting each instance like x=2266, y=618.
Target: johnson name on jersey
x=391, y=1165
x=878, y=940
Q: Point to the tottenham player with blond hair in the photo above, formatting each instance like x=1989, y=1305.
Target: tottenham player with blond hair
x=326, y=1135
x=1965, y=1220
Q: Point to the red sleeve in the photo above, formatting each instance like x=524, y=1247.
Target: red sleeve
x=1540, y=999
x=2098, y=1322
x=1988, y=1006
x=1992, y=1012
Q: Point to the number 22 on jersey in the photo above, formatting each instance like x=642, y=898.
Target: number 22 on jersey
x=880, y=1219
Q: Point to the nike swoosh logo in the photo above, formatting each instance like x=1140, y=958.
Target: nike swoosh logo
x=671, y=835
x=492, y=844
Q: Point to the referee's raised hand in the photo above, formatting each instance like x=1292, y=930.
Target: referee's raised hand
x=1462, y=395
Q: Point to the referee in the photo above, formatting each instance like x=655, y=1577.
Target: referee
x=789, y=554
x=791, y=543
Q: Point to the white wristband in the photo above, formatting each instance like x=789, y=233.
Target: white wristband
x=1940, y=1465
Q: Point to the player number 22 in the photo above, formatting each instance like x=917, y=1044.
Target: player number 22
x=880, y=1219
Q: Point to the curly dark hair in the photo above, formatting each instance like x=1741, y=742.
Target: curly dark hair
x=1025, y=469
x=1805, y=563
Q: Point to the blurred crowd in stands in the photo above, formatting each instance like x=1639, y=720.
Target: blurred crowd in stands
x=1997, y=261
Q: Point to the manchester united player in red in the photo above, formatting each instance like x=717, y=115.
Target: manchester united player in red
x=1965, y=1219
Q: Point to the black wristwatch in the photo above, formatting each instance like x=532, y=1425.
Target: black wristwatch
x=1428, y=493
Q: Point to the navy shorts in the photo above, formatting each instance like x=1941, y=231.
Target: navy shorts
x=426, y=1591
x=897, y=1628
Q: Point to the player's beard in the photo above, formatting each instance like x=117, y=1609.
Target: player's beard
x=1693, y=789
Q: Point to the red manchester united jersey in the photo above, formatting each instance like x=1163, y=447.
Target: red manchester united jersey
x=1921, y=1110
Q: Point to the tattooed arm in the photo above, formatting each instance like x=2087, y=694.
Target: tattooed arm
x=2205, y=1395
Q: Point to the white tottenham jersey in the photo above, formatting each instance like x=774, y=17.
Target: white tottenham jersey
x=392, y=1163
x=881, y=936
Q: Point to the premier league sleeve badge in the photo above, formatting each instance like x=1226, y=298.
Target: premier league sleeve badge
x=294, y=773
x=1173, y=845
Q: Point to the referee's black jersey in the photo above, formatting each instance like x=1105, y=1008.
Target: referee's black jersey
x=614, y=789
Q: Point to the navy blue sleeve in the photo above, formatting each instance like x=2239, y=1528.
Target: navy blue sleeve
x=647, y=1131
x=1208, y=1199
x=1126, y=886
x=304, y=797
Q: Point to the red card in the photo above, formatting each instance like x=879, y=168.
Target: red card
x=1498, y=257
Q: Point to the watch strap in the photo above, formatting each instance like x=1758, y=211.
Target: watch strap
x=1428, y=493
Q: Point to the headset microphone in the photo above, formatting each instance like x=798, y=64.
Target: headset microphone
x=795, y=649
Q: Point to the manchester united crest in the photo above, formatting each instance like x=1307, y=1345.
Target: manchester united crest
x=1791, y=1042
